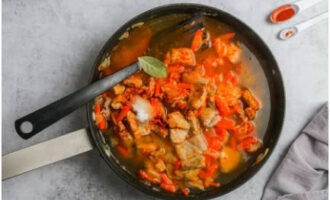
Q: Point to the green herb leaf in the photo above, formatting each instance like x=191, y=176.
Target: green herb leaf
x=152, y=66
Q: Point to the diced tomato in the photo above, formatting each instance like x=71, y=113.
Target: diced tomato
x=145, y=176
x=214, y=141
x=246, y=142
x=157, y=90
x=231, y=77
x=170, y=188
x=165, y=179
x=233, y=143
x=185, y=191
x=209, y=172
x=222, y=107
x=226, y=124
x=175, y=76
x=208, y=160
x=214, y=184
x=197, y=40
x=123, y=151
x=103, y=124
x=178, y=164
x=199, y=111
x=227, y=36
x=175, y=68
x=124, y=112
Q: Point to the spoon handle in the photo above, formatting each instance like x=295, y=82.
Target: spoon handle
x=314, y=20
x=304, y=4
x=35, y=122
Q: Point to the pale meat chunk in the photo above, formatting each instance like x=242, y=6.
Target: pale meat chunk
x=210, y=117
x=134, y=81
x=195, y=184
x=183, y=56
x=176, y=120
x=124, y=135
x=195, y=162
x=195, y=127
x=191, y=174
x=178, y=135
x=199, y=141
x=194, y=77
x=198, y=98
x=137, y=129
x=118, y=89
x=132, y=121
x=186, y=150
x=117, y=102
x=190, y=155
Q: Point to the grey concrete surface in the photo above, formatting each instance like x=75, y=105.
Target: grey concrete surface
x=49, y=46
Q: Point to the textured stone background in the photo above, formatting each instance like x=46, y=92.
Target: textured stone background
x=49, y=46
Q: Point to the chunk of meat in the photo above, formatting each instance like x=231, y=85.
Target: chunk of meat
x=158, y=109
x=176, y=120
x=250, y=144
x=210, y=117
x=124, y=135
x=244, y=130
x=118, y=102
x=186, y=150
x=184, y=56
x=191, y=174
x=199, y=141
x=198, y=98
x=160, y=165
x=132, y=121
x=151, y=87
x=229, y=159
x=250, y=100
x=178, y=135
x=230, y=94
x=191, y=155
x=195, y=126
x=134, y=81
x=106, y=108
x=118, y=89
x=146, y=148
x=195, y=184
x=194, y=77
x=137, y=128
x=225, y=48
x=250, y=113
x=201, y=40
x=161, y=131
x=234, y=53
x=195, y=162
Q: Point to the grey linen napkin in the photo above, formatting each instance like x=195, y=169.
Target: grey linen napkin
x=303, y=173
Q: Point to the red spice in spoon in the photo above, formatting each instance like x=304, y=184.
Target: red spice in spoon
x=282, y=13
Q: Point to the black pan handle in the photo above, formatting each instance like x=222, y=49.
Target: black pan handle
x=35, y=122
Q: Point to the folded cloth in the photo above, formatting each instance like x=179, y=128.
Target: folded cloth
x=303, y=173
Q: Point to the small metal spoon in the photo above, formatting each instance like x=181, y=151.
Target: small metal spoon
x=297, y=7
x=291, y=31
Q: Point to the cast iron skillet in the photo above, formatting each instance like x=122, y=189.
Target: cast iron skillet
x=271, y=72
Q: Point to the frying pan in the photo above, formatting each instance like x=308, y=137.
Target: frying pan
x=269, y=69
